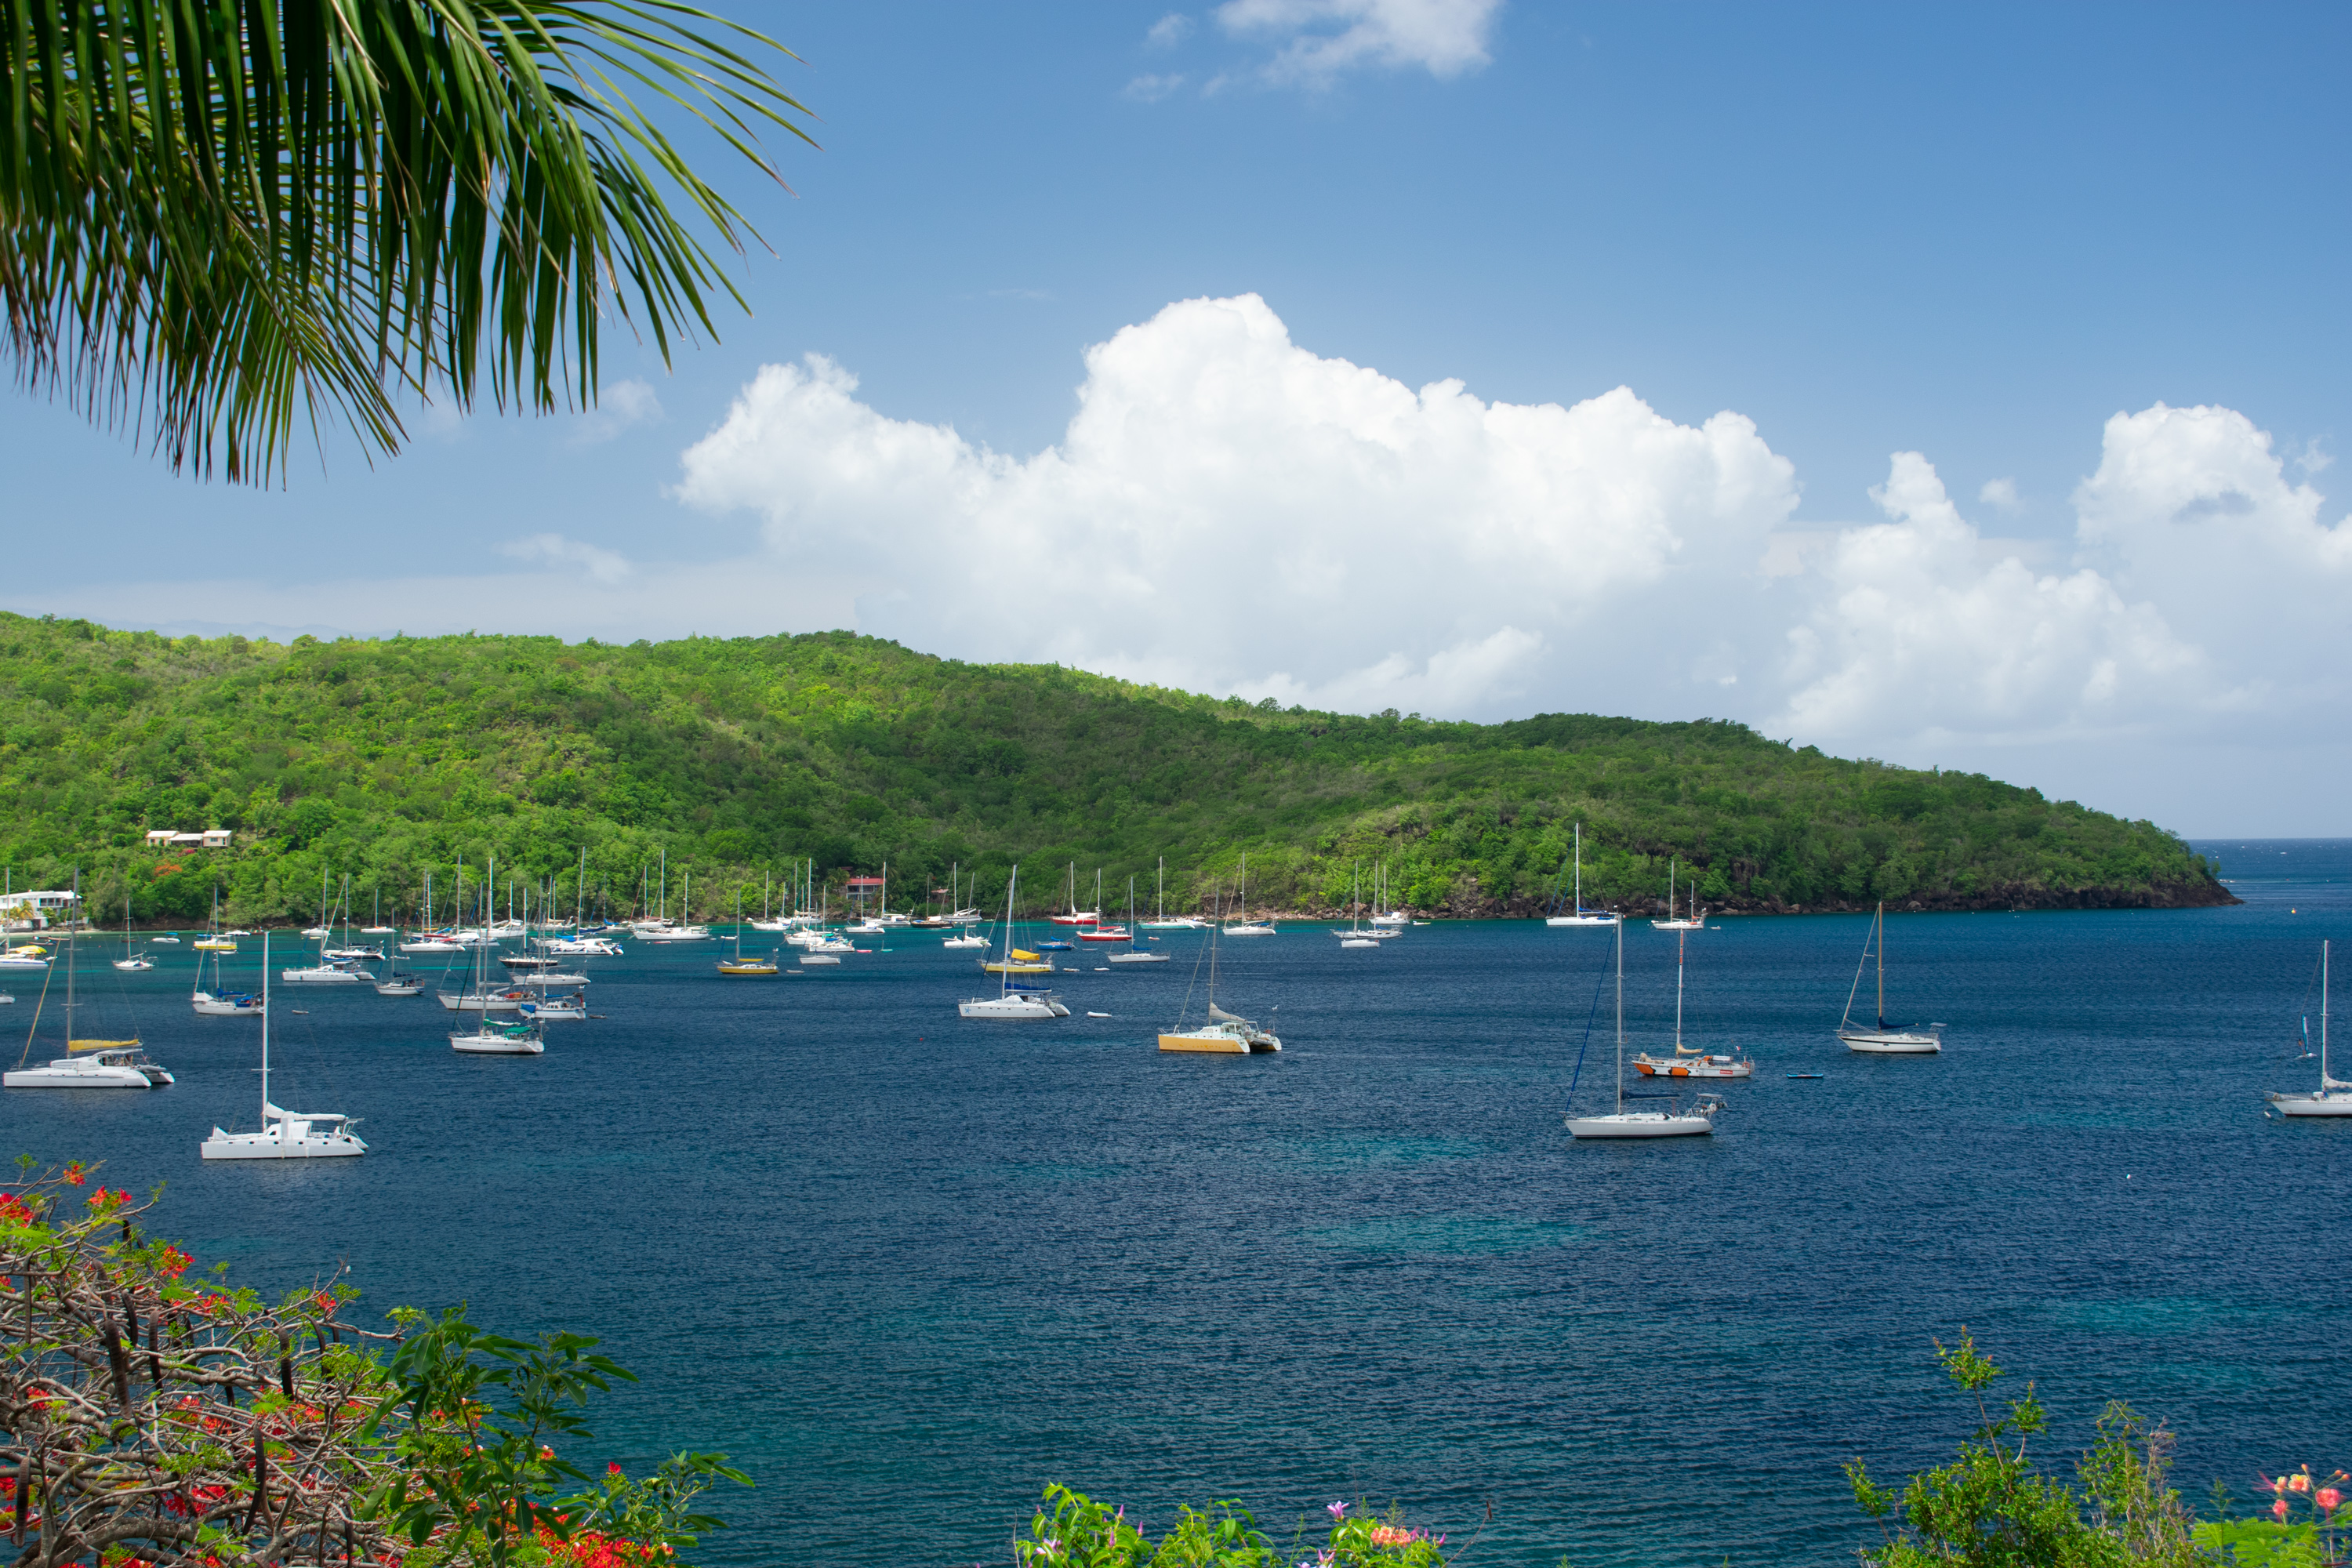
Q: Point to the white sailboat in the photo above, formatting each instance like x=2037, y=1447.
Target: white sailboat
x=1671, y=1122
x=2334, y=1096
x=1077, y=916
x=285, y=1135
x=1884, y=1041
x=1692, y=921
x=1384, y=920
x=965, y=936
x=1355, y=936
x=1136, y=952
x=1242, y=925
x=751, y=968
x=326, y=972
x=1015, y=1001
x=130, y=959
x=86, y=1064
x=1584, y=917
x=220, y=1002
x=1689, y=1061
x=1160, y=918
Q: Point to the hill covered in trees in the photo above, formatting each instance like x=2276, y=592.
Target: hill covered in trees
x=739, y=757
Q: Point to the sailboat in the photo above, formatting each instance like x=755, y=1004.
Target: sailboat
x=739, y=966
x=1692, y=921
x=1160, y=918
x=477, y=997
x=1356, y=935
x=1584, y=917
x=1671, y=1122
x=220, y=1002
x=285, y=1135
x=86, y=1064
x=1883, y=1041
x=2334, y=1096
x=1242, y=925
x=1388, y=922
x=1013, y=1002
x=1111, y=932
x=1689, y=1061
x=1225, y=1034
x=326, y=972
x=379, y=928
x=1077, y=916
x=1133, y=936
x=964, y=935
x=130, y=959
x=213, y=941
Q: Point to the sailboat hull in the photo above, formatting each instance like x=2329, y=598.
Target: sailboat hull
x=1890, y=1043
x=269, y=1146
x=1694, y=1067
x=1138, y=958
x=1220, y=1040
x=1581, y=921
x=1012, y=1008
x=1639, y=1124
x=2313, y=1104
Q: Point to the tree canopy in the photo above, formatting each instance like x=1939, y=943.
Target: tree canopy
x=739, y=757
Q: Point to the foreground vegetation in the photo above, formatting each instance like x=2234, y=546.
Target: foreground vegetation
x=739, y=758
x=149, y=1420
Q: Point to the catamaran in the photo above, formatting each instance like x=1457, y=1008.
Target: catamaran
x=86, y=1064
x=1883, y=1040
x=1671, y=1122
x=1011, y=1001
x=1583, y=916
x=1225, y=1034
x=2334, y=1096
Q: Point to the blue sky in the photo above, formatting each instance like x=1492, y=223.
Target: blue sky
x=1976, y=234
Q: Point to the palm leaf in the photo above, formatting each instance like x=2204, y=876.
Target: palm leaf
x=223, y=219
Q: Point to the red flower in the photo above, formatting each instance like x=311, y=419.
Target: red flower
x=74, y=1176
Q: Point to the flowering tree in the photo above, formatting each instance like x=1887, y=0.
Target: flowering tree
x=145, y=1420
x=1071, y=1530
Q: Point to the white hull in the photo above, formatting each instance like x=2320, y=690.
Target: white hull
x=1890, y=1043
x=84, y=1073
x=1012, y=1007
x=1694, y=1067
x=323, y=976
x=1360, y=942
x=809, y=958
x=211, y=1006
x=1391, y=920
x=1138, y=958
x=2285, y=1104
x=24, y=963
x=434, y=946
x=398, y=988
x=1582, y=921
x=1639, y=1124
x=979, y=942
x=270, y=1145
x=487, y=1044
x=479, y=1004
x=1678, y=925
x=1250, y=931
x=133, y=964
x=1179, y=925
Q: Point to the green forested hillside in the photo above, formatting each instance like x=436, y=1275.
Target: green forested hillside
x=384, y=758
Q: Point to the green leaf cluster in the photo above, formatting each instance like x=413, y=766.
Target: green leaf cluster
x=1071, y=1530
x=738, y=759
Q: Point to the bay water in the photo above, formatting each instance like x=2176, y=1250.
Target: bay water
x=906, y=1269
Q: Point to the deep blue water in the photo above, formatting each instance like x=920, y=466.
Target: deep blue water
x=908, y=1268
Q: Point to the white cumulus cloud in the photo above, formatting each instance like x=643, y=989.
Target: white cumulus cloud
x=1317, y=40
x=1230, y=512
x=1170, y=30
x=1912, y=632
x=620, y=407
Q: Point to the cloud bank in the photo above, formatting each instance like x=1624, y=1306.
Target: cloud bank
x=1231, y=513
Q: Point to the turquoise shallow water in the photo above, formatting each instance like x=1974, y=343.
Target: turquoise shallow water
x=908, y=1268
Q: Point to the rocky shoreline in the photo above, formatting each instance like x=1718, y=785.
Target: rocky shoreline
x=2154, y=896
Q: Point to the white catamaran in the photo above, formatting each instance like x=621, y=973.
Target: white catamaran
x=1013, y=1001
x=285, y=1135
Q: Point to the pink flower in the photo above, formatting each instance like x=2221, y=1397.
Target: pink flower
x=2327, y=1497
x=2299, y=1483
x=1335, y=1509
x=2279, y=1507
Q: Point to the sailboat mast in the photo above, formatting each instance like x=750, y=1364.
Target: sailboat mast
x=265, y=1028
x=2323, y=1017
x=1159, y=896
x=1882, y=967
x=1620, y=1018
x=1579, y=868
x=1682, y=950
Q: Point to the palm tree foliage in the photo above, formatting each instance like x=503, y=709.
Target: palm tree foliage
x=221, y=217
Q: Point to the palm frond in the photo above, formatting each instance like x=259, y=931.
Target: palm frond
x=221, y=220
